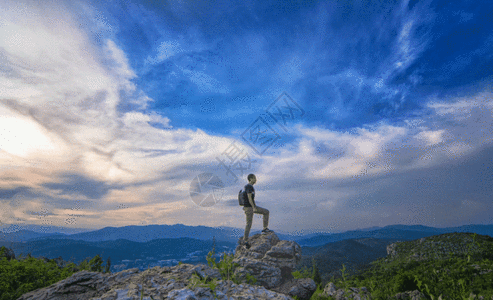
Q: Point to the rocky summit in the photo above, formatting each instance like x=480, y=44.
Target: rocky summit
x=269, y=260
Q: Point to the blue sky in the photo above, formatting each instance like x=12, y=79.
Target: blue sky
x=112, y=113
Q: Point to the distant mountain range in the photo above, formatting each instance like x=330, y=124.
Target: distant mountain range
x=141, y=246
x=401, y=232
x=142, y=234
x=146, y=233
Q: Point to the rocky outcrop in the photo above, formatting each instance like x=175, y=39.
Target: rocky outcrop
x=271, y=262
x=268, y=259
x=158, y=283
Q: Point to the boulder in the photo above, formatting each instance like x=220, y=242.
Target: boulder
x=269, y=260
x=303, y=288
x=352, y=293
x=414, y=295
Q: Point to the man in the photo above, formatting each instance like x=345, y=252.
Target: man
x=250, y=208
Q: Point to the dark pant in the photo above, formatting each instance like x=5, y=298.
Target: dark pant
x=249, y=218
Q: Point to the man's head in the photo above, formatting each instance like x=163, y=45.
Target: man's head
x=251, y=179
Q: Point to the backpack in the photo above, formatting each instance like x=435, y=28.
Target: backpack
x=241, y=198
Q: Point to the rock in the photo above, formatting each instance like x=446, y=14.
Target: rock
x=303, y=288
x=391, y=250
x=352, y=293
x=269, y=260
x=414, y=295
x=158, y=283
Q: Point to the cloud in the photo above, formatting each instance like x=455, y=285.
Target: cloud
x=165, y=50
x=81, y=186
x=8, y=194
x=205, y=83
x=119, y=66
x=101, y=128
x=409, y=45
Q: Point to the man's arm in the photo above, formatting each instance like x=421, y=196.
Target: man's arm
x=251, y=200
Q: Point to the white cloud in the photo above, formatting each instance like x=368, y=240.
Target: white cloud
x=205, y=82
x=60, y=101
x=165, y=50
x=431, y=137
x=462, y=107
x=121, y=67
x=21, y=136
x=408, y=46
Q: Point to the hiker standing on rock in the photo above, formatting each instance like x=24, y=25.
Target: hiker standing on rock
x=250, y=208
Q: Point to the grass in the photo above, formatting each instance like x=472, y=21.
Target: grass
x=453, y=278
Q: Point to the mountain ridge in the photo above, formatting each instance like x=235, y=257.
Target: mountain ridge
x=159, y=251
x=147, y=233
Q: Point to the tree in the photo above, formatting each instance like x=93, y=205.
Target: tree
x=108, y=265
x=315, y=273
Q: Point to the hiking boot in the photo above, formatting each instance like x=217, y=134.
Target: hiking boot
x=247, y=245
x=267, y=230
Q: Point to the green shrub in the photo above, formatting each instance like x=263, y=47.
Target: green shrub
x=225, y=265
x=304, y=273
x=29, y=274
x=404, y=282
